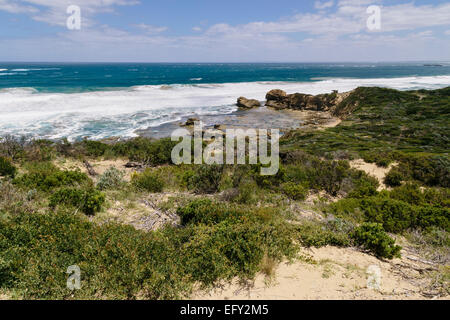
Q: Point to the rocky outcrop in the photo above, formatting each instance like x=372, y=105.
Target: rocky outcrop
x=278, y=99
x=245, y=103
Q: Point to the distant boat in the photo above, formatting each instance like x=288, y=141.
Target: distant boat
x=433, y=65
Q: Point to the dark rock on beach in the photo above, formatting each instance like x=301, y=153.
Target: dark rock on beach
x=276, y=99
x=190, y=122
x=245, y=103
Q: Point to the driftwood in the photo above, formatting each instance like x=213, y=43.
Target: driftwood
x=420, y=260
x=89, y=168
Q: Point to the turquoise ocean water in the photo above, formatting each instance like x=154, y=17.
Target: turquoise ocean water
x=55, y=100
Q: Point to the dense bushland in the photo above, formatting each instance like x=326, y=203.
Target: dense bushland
x=121, y=262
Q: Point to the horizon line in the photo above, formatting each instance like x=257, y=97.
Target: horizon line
x=229, y=62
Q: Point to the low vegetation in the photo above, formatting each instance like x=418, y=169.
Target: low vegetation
x=231, y=221
x=148, y=181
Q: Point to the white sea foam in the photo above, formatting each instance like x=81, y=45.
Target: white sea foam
x=34, y=69
x=109, y=113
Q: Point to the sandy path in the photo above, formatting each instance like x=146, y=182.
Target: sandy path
x=336, y=273
x=373, y=170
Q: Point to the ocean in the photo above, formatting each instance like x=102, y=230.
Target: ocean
x=56, y=100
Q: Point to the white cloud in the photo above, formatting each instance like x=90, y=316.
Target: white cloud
x=8, y=6
x=323, y=5
x=151, y=29
x=53, y=12
x=340, y=33
x=349, y=18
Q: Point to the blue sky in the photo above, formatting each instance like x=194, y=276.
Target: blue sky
x=224, y=31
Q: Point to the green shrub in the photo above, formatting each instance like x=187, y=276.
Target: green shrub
x=294, y=191
x=88, y=201
x=147, y=151
x=45, y=177
x=269, y=181
x=347, y=208
x=206, y=178
x=329, y=175
x=110, y=179
x=366, y=186
x=335, y=177
x=429, y=216
x=380, y=158
x=14, y=200
x=227, y=249
x=93, y=148
x=39, y=150
x=413, y=194
x=12, y=147
x=372, y=237
x=393, y=178
x=206, y=211
x=395, y=216
x=7, y=168
x=431, y=170
x=321, y=235
x=243, y=194
x=148, y=181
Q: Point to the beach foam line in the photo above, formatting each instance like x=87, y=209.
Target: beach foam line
x=34, y=69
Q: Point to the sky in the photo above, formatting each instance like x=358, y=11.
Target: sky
x=225, y=31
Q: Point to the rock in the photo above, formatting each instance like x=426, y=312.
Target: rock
x=277, y=105
x=245, y=103
x=276, y=95
x=277, y=99
x=190, y=122
x=133, y=165
x=298, y=101
x=219, y=127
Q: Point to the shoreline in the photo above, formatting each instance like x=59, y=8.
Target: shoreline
x=261, y=118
